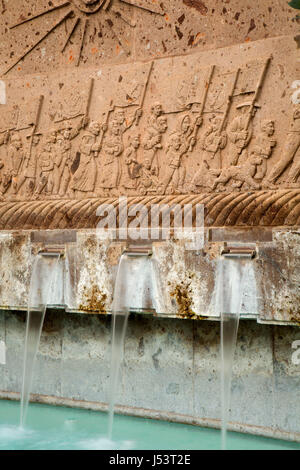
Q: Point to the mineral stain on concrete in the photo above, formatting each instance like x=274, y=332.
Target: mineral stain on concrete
x=182, y=295
x=154, y=358
x=95, y=301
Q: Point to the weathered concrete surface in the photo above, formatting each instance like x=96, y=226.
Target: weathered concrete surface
x=186, y=278
x=171, y=369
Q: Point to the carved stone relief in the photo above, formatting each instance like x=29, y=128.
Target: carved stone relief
x=186, y=125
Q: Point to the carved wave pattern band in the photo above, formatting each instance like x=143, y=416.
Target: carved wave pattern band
x=259, y=208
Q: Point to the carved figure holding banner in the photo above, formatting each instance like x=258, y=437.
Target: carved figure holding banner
x=148, y=182
x=132, y=171
x=111, y=165
x=68, y=132
x=152, y=142
x=289, y=153
x=187, y=133
x=28, y=175
x=84, y=178
x=240, y=133
x=15, y=158
x=173, y=172
x=214, y=140
x=46, y=166
x=264, y=144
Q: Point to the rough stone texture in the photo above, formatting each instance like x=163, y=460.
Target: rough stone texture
x=226, y=133
x=184, y=280
x=170, y=366
x=186, y=27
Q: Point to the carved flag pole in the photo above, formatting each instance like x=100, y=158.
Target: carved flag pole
x=229, y=100
x=204, y=99
x=145, y=91
x=34, y=127
x=104, y=127
x=206, y=88
x=257, y=91
x=89, y=99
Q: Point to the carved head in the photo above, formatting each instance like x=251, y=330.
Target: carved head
x=51, y=137
x=115, y=127
x=147, y=164
x=120, y=117
x=16, y=141
x=162, y=124
x=47, y=144
x=94, y=128
x=36, y=139
x=156, y=109
x=175, y=141
x=268, y=127
x=66, y=131
x=215, y=122
x=135, y=141
x=185, y=123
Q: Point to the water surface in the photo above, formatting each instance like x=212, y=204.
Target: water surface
x=57, y=428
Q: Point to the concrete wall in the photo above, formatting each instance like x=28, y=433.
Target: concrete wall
x=171, y=369
x=187, y=278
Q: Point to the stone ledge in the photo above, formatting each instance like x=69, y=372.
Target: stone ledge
x=268, y=208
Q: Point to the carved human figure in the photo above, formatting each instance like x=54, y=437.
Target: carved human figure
x=148, y=182
x=153, y=142
x=289, y=154
x=155, y=112
x=188, y=134
x=214, y=140
x=110, y=158
x=132, y=169
x=263, y=146
x=45, y=167
x=239, y=135
x=16, y=158
x=239, y=174
x=29, y=170
x=1, y=180
x=4, y=137
x=84, y=179
x=125, y=124
x=64, y=157
x=5, y=165
x=173, y=171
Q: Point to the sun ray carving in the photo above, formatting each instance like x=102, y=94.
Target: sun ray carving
x=26, y=52
x=30, y=18
x=73, y=28
x=87, y=12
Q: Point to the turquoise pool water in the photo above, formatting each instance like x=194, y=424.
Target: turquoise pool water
x=50, y=427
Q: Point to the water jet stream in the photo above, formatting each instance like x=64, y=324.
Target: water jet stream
x=136, y=288
x=44, y=267
x=232, y=278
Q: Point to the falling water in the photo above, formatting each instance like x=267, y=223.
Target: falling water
x=120, y=311
x=232, y=280
x=136, y=288
x=44, y=269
